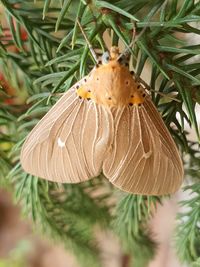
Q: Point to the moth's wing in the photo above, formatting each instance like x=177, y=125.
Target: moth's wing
x=68, y=144
x=144, y=158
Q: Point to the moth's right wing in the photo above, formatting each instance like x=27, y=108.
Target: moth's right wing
x=144, y=158
x=68, y=144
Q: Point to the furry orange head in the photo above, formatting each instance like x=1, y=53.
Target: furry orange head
x=111, y=83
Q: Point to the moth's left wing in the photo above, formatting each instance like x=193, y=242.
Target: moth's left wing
x=68, y=144
x=144, y=158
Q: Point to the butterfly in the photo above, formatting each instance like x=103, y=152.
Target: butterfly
x=106, y=123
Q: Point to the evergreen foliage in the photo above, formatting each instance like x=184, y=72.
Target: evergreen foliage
x=42, y=53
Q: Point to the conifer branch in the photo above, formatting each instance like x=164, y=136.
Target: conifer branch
x=36, y=62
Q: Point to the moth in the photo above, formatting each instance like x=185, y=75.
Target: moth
x=106, y=123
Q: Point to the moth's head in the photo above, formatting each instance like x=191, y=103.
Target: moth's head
x=111, y=83
x=114, y=57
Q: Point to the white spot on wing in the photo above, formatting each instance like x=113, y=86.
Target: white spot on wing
x=148, y=155
x=60, y=143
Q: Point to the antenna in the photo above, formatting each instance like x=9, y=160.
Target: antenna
x=133, y=41
x=88, y=42
x=134, y=38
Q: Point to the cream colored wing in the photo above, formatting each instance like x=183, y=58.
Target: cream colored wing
x=68, y=144
x=144, y=158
